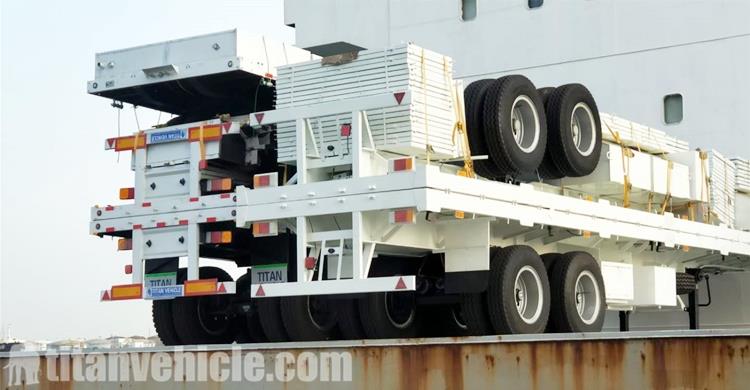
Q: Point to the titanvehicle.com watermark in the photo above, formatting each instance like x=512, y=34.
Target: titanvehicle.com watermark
x=178, y=365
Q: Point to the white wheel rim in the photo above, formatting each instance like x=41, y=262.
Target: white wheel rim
x=587, y=300
x=524, y=124
x=398, y=324
x=527, y=294
x=583, y=129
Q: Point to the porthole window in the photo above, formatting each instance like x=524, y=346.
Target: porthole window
x=468, y=10
x=673, y=108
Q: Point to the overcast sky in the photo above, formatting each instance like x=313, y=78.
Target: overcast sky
x=54, y=167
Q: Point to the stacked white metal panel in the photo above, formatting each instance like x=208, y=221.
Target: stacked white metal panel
x=742, y=174
x=427, y=119
x=650, y=177
x=639, y=136
x=712, y=183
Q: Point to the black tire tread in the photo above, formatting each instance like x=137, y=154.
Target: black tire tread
x=269, y=314
x=496, y=101
x=298, y=325
x=474, y=95
x=560, y=153
x=502, y=311
x=474, y=309
x=185, y=315
x=562, y=315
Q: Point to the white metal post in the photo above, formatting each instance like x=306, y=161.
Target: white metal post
x=139, y=156
x=195, y=172
x=356, y=144
x=301, y=151
x=137, y=256
x=193, y=243
x=357, y=244
x=301, y=247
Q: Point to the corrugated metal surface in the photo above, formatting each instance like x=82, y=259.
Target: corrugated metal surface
x=674, y=360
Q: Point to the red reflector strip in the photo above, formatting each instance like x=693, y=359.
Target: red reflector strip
x=109, y=230
x=124, y=244
x=127, y=193
x=126, y=291
x=161, y=224
x=200, y=287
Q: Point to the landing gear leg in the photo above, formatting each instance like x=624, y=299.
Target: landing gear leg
x=624, y=320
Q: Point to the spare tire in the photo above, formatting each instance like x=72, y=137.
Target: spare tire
x=574, y=135
x=515, y=125
x=474, y=95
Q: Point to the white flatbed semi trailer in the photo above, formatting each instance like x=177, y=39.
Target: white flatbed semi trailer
x=369, y=243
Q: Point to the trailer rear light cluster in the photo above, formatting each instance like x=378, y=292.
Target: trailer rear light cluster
x=217, y=185
x=405, y=216
x=127, y=193
x=219, y=237
x=124, y=244
x=265, y=228
x=401, y=164
x=266, y=180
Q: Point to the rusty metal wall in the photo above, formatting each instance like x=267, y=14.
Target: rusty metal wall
x=675, y=362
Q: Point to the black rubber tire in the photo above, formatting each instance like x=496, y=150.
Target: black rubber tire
x=443, y=321
x=474, y=309
x=348, y=319
x=561, y=148
x=474, y=95
x=301, y=325
x=547, y=169
x=247, y=327
x=549, y=260
x=161, y=314
x=186, y=314
x=377, y=323
x=510, y=159
x=562, y=281
x=544, y=94
x=685, y=283
x=501, y=292
x=269, y=313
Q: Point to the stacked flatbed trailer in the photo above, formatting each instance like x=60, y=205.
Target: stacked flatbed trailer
x=356, y=238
